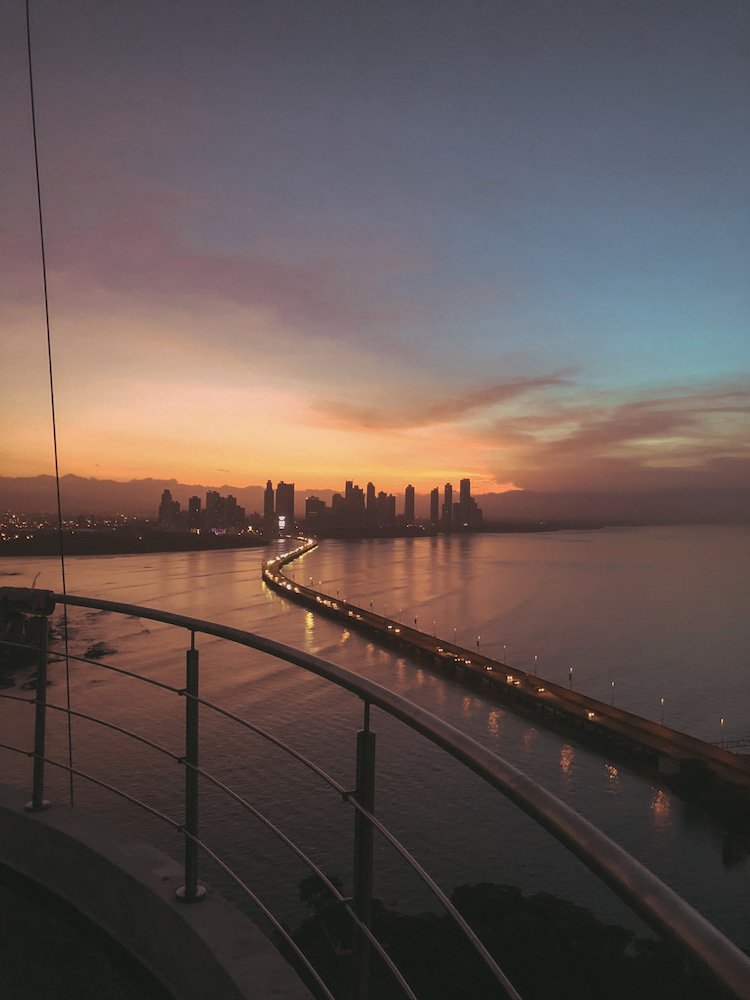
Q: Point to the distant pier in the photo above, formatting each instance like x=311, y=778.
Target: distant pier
x=653, y=744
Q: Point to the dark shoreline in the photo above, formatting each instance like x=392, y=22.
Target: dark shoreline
x=126, y=541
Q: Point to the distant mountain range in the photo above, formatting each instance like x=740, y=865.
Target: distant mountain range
x=140, y=497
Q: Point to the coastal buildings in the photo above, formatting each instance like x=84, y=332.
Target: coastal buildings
x=354, y=512
x=357, y=512
x=220, y=514
x=284, y=506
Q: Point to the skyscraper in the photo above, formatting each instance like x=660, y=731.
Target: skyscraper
x=409, y=505
x=372, y=509
x=448, y=507
x=435, y=506
x=168, y=510
x=315, y=511
x=213, y=511
x=268, y=497
x=285, y=506
x=194, y=514
x=465, y=503
x=355, y=514
x=386, y=507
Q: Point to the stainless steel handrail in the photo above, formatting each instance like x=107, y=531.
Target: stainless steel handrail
x=658, y=905
x=661, y=907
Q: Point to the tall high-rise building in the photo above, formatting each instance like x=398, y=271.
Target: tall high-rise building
x=285, y=506
x=268, y=499
x=409, y=505
x=232, y=515
x=386, y=506
x=355, y=513
x=194, y=514
x=168, y=510
x=448, y=507
x=315, y=511
x=435, y=506
x=338, y=505
x=464, y=509
x=372, y=508
x=214, y=517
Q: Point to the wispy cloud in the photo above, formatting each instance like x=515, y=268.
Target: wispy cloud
x=436, y=405
x=677, y=436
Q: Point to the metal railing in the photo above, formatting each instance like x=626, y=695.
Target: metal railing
x=656, y=903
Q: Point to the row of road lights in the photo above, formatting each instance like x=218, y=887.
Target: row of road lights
x=505, y=649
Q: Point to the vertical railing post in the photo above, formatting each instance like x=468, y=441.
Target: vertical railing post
x=191, y=892
x=38, y=802
x=363, y=844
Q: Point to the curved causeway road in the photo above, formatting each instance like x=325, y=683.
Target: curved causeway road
x=651, y=743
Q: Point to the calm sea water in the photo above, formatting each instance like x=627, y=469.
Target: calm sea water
x=662, y=612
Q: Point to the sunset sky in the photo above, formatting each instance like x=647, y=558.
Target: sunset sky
x=398, y=240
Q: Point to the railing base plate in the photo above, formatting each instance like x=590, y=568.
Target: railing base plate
x=30, y=807
x=182, y=896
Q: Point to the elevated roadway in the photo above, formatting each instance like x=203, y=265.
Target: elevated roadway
x=652, y=743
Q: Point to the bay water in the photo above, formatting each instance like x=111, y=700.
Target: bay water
x=661, y=612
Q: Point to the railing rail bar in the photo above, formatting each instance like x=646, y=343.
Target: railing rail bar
x=654, y=901
x=117, y=729
x=118, y=670
x=276, y=923
x=18, y=697
x=310, y=864
x=270, y=825
x=24, y=753
x=277, y=742
x=100, y=722
x=111, y=788
x=445, y=900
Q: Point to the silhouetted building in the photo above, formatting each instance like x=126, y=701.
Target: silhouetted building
x=316, y=512
x=409, y=505
x=285, y=506
x=355, y=515
x=435, y=506
x=372, y=507
x=213, y=516
x=464, y=503
x=448, y=507
x=476, y=517
x=386, y=507
x=169, y=510
x=337, y=510
x=268, y=504
x=194, y=514
x=232, y=515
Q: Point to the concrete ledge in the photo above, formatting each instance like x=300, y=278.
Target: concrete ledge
x=198, y=951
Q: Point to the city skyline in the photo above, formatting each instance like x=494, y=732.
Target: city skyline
x=352, y=509
x=507, y=243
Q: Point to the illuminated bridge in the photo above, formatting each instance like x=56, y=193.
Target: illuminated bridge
x=592, y=720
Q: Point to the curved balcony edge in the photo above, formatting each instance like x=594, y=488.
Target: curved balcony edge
x=127, y=888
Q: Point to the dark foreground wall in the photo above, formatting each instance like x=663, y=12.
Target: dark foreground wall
x=196, y=951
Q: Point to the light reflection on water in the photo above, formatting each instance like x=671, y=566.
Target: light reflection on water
x=648, y=608
x=309, y=630
x=566, y=760
x=661, y=809
x=613, y=786
x=493, y=721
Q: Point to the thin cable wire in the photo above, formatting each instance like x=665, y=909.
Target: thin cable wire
x=51, y=391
